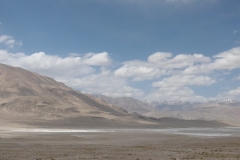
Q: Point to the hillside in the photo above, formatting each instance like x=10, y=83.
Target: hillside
x=29, y=98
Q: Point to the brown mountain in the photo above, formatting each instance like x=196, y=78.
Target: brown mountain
x=28, y=99
x=32, y=99
x=128, y=103
x=223, y=111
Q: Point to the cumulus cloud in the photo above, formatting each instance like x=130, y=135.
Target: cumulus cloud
x=186, y=80
x=104, y=83
x=159, y=64
x=9, y=41
x=138, y=70
x=164, y=60
x=159, y=56
x=227, y=60
x=50, y=65
x=101, y=59
x=94, y=73
x=180, y=71
x=176, y=88
x=54, y=65
x=232, y=94
x=175, y=93
x=184, y=60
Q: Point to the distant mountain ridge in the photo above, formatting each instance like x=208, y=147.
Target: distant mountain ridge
x=127, y=103
x=185, y=105
x=227, y=111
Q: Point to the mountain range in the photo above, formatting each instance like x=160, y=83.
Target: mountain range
x=32, y=99
x=227, y=111
x=128, y=103
x=28, y=99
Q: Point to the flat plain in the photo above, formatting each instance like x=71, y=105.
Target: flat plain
x=133, y=144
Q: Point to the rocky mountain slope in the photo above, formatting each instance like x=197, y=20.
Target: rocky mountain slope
x=30, y=98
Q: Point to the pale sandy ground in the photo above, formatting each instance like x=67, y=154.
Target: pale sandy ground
x=121, y=144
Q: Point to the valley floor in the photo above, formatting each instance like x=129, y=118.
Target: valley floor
x=121, y=144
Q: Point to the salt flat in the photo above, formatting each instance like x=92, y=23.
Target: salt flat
x=207, y=132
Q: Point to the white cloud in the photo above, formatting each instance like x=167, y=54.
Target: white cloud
x=185, y=60
x=159, y=56
x=164, y=60
x=101, y=59
x=175, y=88
x=227, y=60
x=9, y=41
x=232, y=94
x=93, y=73
x=181, y=71
x=158, y=64
x=138, y=70
x=53, y=65
x=104, y=83
x=50, y=65
x=198, y=69
x=186, y=80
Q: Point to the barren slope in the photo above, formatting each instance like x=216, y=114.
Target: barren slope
x=27, y=97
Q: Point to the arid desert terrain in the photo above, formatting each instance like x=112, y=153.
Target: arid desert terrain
x=126, y=144
x=42, y=119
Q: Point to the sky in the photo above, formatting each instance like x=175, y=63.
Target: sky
x=187, y=50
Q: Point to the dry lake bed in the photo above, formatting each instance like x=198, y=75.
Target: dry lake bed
x=124, y=144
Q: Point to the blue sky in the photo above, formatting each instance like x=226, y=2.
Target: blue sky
x=156, y=49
